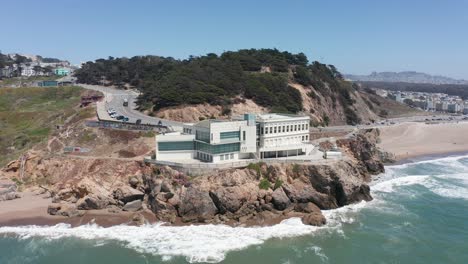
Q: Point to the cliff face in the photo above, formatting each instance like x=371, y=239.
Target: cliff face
x=259, y=194
x=236, y=195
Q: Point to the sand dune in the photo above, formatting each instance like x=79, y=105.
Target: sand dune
x=409, y=140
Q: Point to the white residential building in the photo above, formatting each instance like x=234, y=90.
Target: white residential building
x=249, y=137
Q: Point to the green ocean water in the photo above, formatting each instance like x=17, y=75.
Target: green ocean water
x=419, y=215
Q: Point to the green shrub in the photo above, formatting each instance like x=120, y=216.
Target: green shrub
x=278, y=183
x=264, y=184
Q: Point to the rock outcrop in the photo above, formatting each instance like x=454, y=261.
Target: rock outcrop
x=8, y=190
x=258, y=194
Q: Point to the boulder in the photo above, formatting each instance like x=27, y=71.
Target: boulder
x=315, y=219
x=127, y=194
x=133, y=181
x=196, y=205
x=280, y=199
x=68, y=210
x=166, y=187
x=133, y=206
x=92, y=202
x=307, y=208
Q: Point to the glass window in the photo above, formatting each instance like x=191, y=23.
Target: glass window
x=232, y=155
x=287, y=128
x=261, y=130
x=217, y=149
x=284, y=129
x=222, y=157
x=266, y=130
x=230, y=135
x=295, y=127
x=175, y=145
x=275, y=130
x=271, y=130
x=202, y=136
x=243, y=135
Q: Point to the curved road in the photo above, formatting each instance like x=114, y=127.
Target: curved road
x=114, y=100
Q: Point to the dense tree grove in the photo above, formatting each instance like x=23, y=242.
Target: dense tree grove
x=261, y=75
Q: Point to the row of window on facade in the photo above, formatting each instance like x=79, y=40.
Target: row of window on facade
x=227, y=156
x=283, y=129
x=286, y=141
x=204, y=156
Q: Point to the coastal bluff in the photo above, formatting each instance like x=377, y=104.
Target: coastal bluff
x=259, y=194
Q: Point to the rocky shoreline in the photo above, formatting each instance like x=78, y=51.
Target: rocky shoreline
x=259, y=194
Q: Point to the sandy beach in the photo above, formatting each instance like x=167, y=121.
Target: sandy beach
x=31, y=209
x=410, y=140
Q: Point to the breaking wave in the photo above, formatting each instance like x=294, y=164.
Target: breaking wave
x=446, y=177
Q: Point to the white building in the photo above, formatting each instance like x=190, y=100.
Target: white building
x=250, y=137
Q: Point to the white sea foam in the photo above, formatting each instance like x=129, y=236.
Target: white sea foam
x=203, y=243
x=210, y=243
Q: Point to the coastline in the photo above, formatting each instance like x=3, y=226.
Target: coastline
x=414, y=141
x=31, y=208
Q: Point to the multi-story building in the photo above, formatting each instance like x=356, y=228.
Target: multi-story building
x=250, y=137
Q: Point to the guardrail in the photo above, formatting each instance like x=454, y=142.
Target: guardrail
x=226, y=165
x=127, y=126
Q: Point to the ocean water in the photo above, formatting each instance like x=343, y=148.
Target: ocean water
x=419, y=215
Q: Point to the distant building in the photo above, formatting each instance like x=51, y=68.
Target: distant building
x=62, y=71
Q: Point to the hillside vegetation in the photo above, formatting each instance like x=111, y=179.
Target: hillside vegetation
x=279, y=81
x=29, y=115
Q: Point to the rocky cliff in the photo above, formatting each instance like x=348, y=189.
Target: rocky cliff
x=258, y=194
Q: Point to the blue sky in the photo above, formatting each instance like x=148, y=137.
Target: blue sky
x=357, y=36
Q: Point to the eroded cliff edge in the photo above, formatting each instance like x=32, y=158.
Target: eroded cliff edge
x=259, y=194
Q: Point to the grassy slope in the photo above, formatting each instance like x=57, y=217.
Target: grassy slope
x=28, y=115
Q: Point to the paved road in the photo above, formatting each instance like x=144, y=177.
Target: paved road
x=440, y=118
x=114, y=100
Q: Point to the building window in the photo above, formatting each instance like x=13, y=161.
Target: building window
x=303, y=126
x=287, y=128
x=202, y=136
x=266, y=130
x=284, y=129
x=295, y=127
x=226, y=157
x=222, y=157
x=271, y=130
x=217, y=149
x=232, y=155
x=307, y=126
x=261, y=130
x=230, y=135
x=243, y=135
x=307, y=138
x=175, y=145
x=275, y=130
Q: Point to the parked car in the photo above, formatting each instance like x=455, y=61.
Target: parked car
x=120, y=117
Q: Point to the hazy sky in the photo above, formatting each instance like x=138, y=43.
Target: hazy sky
x=358, y=36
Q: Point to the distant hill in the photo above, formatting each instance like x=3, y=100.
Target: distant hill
x=406, y=77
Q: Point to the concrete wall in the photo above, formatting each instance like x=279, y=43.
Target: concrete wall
x=175, y=155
